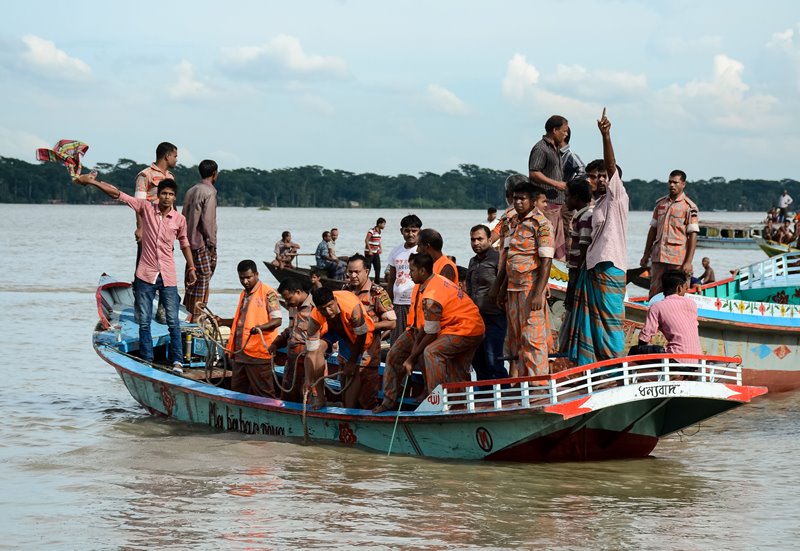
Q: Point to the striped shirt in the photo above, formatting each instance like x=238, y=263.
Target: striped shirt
x=676, y=318
x=373, y=241
x=545, y=157
x=581, y=234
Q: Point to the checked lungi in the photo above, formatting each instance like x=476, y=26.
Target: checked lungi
x=205, y=262
x=528, y=335
x=595, y=324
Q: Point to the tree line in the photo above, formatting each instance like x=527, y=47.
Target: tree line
x=468, y=187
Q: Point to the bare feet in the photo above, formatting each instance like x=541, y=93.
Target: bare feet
x=384, y=406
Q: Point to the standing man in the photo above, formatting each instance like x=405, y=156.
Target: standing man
x=481, y=277
x=373, y=248
x=364, y=390
x=399, y=279
x=200, y=211
x=783, y=204
x=672, y=238
x=431, y=243
x=161, y=225
x=337, y=317
x=446, y=330
x=530, y=254
x=546, y=171
x=253, y=328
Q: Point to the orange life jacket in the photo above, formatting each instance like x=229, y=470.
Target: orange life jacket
x=443, y=261
x=460, y=316
x=347, y=302
x=257, y=314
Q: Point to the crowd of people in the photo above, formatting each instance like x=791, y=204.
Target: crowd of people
x=780, y=226
x=439, y=319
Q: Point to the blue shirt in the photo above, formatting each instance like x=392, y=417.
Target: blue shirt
x=321, y=254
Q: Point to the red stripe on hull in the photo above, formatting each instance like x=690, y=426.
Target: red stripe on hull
x=774, y=380
x=586, y=444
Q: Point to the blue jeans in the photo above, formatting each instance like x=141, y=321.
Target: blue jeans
x=145, y=293
x=485, y=361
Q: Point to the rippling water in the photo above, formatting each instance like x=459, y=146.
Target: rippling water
x=83, y=467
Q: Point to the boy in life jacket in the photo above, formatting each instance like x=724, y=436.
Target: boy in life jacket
x=337, y=317
x=259, y=309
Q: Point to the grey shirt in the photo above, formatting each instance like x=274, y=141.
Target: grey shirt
x=481, y=274
x=200, y=211
x=546, y=158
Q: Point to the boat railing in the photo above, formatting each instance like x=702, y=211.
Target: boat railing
x=775, y=271
x=539, y=391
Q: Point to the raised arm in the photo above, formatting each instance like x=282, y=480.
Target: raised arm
x=90, y=179
x=608, y=150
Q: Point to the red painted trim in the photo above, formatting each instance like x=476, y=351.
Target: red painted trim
x=745, y=393
x=98, y=298
x=570, y=409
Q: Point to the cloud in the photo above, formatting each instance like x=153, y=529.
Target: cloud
x=782, y=41
x=446, y=101
x=724, y=99
x=579, y=81
x=283, y=55
x=20, y=144
x=42, y=57
x=520, y=79
x=787, y=44
x=316, y=104
x=186, y=86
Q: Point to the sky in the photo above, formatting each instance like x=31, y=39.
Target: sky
x=712, y=87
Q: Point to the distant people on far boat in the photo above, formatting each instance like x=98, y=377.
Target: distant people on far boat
x=161, y=225
x=784, y=235
x=373, y=248
x=315, y=277
x=200, y=211
x=445, y=328
x=254, y=327
x=480, y=279
x=285, y=251
x=363, y=392
x=337, y=317
x=599, y=295
x=672, y=239
x=399, y=280
x=326, y=259
x=708, y=272
x=299, y=303
x=546, y=171
x=675, y=316
x=783, y=205
x=431, y=243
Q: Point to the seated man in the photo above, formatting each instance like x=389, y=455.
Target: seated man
x=445, y=329
x=298, y=300
x=675, y=316
x=285, y=251
x=325, y=261
x=784, y=234
x=364, y=390
x=253, y=328
x=337, y=317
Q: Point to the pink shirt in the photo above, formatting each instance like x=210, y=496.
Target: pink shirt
x=158, y=235
x=610, y=227
x=676, y=318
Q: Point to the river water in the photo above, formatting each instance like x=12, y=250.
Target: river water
x=82, y=466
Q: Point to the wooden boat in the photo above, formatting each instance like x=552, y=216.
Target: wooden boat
x=609, y=410
x=302, y=274
x=754, y=315
x=728, y=235
x=773, y=248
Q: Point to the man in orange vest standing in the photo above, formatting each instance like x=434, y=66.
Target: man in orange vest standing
x=445, y=329
x=337, y=317
x=253, y=328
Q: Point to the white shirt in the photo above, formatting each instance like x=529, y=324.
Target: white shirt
x=785, y=201
x=403, y=284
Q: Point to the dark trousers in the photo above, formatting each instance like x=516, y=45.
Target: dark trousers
x=485, y=362
x=374, y=263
